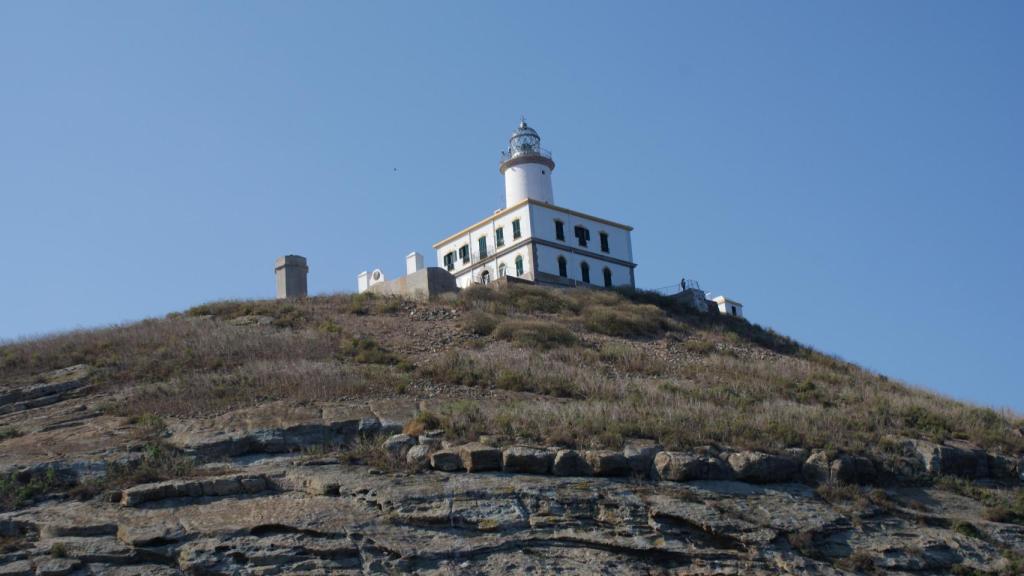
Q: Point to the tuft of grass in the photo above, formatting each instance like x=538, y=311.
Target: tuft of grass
x=967, y=529
x=367, y=351
x=535, y=333
x=422, y=422
x=8, y=432
x=15, y=492
x=625, y=320
x=58, y=550
x=479, y=323
x=148, y=425
x=159, y=462
x=369, y=451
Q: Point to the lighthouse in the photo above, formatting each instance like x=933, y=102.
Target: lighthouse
x=532, y=239
x=527, y=168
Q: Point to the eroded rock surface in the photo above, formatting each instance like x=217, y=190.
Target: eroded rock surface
x=345, y=519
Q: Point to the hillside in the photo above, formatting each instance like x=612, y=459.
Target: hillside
x=632, y=435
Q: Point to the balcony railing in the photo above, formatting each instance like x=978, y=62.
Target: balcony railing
x=507, y=155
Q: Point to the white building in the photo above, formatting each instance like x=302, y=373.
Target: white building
x=534, y=239
x=729, y=307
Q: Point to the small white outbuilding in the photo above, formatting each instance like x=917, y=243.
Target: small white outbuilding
x=728, y=307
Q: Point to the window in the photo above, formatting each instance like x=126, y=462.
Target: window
x=560, y=230
x=516, y=232
x=519, y=265
x=449, y=261
x=604, y=241
x=583, y=235
x=501, y=271
x=464, y=254
x=607, y=277
x=485, y=278
x=562, y=271
x=734, y=311
x=483, y=246
x=499, y=237
x=585, y=272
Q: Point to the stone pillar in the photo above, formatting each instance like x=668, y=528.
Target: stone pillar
x=291, y=273
x=413, y=262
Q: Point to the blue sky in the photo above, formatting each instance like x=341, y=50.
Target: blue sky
x=851, y=172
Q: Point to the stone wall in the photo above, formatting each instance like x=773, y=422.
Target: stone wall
x=421, y=284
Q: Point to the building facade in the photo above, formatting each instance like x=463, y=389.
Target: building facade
x=533, y=238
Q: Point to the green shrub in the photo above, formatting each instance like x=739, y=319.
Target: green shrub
x=8, y=432
x=367, y=351
x=968, y=529
x=479, y=323
x=535, y=333
x=15, y=492
x=624, y=320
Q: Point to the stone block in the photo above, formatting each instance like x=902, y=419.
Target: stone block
x=419, y=455
x=396, y=446
x=816, y=469
x=477, y=457
x=17, y=568
x=57, y=566
x=683, y=467
x=852, y=470
x=524, y=459
x=640, y=455
x=607, y=463
x=570, y=463
x=761, y=468
x=446, y=460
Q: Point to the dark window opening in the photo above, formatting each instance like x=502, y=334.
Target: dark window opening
x=585, y=272
x=499, y=237
x=560, y=230
x=734, y=311
x=607, y=277
x=583, y=235
x=464, y=254
x=483, y=246
x=562, y=269
x=519, y=265
x=604, y=241
x=449, y=261
x=516, y=232
x=485, y=278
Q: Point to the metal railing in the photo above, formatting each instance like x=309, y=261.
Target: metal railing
x=507, y=155
x=684, y=284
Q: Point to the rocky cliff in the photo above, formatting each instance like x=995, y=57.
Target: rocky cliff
x=515, y=431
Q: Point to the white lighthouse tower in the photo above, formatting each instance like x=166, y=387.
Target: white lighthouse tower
x=527, y=168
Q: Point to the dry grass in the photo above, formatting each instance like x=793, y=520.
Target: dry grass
x=208, y=394
x=536, y=333
x=606, y=365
